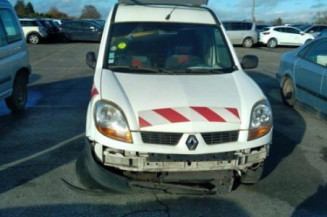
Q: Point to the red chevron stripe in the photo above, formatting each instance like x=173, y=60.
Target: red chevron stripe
x=234, y=111
x=144, y=123
x=208, y=114
x=171, y=115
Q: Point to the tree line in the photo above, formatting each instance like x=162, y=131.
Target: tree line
x=27, y=10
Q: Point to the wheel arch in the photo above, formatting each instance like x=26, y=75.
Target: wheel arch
x=25, y=71
x=31, y=33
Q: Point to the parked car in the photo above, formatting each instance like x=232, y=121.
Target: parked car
x=33, y=29
x=81, y=30
x=313, y=30
x=50, y=28
x=302, y=76
x=14, y=64
x=97, y=22
x=148, y=122
x=322, y=34
x=241, y=33
x=57, y=22
x=283, y=35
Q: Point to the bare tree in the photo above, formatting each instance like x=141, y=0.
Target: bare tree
x=55, y=13
x=29, y=9
x=277, y=22
x=20, y=8
x=321, y=17
x=90, y=12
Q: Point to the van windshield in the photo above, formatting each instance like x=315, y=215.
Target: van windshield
x=167, y=48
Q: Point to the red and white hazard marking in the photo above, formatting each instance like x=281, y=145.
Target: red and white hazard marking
x=188, y=114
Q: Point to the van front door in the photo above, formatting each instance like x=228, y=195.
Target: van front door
x=5, y=63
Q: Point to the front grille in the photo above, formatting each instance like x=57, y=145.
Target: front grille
x=220, y=137
x=161, y=138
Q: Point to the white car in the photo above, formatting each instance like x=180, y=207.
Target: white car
x=171, y=107
x=14, y=63
x=283, y=35
x=34, y=31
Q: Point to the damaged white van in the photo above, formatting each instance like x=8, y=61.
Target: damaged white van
x=171, y=108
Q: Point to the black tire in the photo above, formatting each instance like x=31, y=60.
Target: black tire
x=17, y=101
x=34, y=38
x=288, y=92
x=253, y=174
x=247, y=43
x=272, y=43
x=64, y=38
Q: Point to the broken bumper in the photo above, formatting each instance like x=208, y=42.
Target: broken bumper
x=168, y=173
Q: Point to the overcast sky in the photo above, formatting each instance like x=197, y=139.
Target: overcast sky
x=288, y=10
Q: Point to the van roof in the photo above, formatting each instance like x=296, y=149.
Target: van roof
x=165, y=2
x=159, y=13
x=5, y=3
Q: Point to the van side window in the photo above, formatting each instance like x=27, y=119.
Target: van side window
x=11, y=26
x=3, y=39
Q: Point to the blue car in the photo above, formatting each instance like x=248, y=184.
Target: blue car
x=302, y=77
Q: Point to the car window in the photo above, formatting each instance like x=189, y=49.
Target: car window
x=237, y=26
x=315, y=29
x=291, y=30
x=76, y=25
x=265, y=29
x=3, y=38
x=87, y=25
x=280, y=29
x=11, y=25
x=172, y=46
x=28, y=23
x=322, y=28
x=318, y=53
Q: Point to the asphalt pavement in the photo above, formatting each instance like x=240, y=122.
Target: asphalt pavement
x=39, y=148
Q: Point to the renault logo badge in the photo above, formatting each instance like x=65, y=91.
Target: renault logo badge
x=192, y=142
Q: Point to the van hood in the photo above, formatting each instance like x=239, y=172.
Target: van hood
x=179, y=103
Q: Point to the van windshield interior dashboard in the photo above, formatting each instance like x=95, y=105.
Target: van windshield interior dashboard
x=167, y=48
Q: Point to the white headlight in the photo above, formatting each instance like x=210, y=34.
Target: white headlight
x=261, y=120
x=110, y=121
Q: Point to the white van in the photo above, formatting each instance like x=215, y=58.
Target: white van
x=14, y=63
x=171, y=107
x=242, y=33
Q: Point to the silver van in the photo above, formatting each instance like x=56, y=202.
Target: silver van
x=241, y=33
x=14, y=63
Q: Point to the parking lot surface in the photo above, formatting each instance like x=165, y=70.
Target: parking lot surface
x=39, y=148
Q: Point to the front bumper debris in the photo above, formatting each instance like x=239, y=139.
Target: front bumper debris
x=150, y=162
x=177, y=174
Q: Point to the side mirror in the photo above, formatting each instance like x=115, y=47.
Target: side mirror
x=250, y=62
x=91, y=60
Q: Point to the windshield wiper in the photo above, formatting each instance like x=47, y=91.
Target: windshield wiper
x=205, y=70
x=132, y=69
x=139, y=69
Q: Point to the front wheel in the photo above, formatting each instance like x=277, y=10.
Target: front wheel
x=288, y=92
x=17, y=101
x=34, y=38
x=272, y=43
x=247, y=43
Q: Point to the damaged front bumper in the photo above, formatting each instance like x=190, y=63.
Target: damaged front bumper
x=184, y=174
